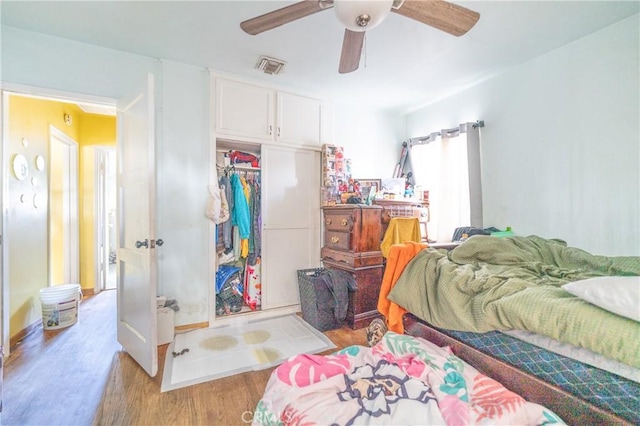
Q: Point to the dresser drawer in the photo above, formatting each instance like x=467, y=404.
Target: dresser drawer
x=353, y=228
x=337, y=240
x=342, y=222
x=351, y=259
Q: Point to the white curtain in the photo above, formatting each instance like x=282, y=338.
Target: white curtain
x=447, y=165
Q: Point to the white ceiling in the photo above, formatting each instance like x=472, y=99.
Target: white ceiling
x=408, y=64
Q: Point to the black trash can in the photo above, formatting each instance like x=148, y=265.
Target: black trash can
x=316, y=300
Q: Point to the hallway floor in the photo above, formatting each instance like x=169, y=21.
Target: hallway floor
x=57, y=377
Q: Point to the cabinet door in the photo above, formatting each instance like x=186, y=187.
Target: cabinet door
x=299, y=120
x=291, y=221
x=244, y=110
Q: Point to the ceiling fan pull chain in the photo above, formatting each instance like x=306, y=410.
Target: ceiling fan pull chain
x=365, y=47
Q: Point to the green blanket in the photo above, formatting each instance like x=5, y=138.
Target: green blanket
x=491, y=283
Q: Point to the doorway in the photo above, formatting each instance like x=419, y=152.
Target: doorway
x=48, y=236
x=106, y=218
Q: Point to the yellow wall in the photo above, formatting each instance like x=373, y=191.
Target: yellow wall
x=28, y=225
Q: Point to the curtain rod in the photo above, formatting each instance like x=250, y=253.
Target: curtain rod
x=431, y=136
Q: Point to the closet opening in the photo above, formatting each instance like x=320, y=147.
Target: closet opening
x=238, y=283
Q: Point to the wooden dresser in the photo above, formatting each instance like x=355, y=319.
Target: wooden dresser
x=352, y=243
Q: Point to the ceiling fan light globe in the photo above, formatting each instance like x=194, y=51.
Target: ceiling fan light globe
x=349, y=11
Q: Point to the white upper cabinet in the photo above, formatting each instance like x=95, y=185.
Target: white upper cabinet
x=299, y=119
x=263, y=114
x=244, y=110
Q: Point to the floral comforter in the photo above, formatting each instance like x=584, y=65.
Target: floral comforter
x=401, y=380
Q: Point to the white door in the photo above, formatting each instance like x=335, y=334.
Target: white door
x=105, y=241
x=291, y=221
x=64, y=257
x=136, y=260
x=4, y=282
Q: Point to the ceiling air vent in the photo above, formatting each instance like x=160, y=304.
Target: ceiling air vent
x=270, y=65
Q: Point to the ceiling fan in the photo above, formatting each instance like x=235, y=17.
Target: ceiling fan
x=361, y=15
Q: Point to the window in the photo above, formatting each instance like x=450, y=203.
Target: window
x=447, y=164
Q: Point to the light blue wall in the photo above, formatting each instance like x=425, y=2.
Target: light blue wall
x=372, y=139
x=182, y=150
x=561, y=146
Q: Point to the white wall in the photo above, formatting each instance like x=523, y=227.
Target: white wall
x=561, y=146
x=55, y=63
x=183, y=144
x=372, y=139
x=182, y=180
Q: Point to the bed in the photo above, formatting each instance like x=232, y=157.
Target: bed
x=471, y=299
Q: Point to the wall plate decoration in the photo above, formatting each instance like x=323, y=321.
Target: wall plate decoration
x=40, y=162
x=20, y=166
x=37, y=200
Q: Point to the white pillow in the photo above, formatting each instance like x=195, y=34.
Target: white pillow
x=620, y=295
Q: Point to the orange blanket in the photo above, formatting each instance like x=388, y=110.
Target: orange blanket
x=399, y=256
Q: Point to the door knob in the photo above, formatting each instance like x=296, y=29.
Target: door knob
x=144, y=243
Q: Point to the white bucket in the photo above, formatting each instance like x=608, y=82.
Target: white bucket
x=60, y=305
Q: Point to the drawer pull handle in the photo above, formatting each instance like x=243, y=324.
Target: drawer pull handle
x=335, y=240
x=344, y=222
x=328, y=221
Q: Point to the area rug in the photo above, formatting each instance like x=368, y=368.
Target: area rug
x=212, y=353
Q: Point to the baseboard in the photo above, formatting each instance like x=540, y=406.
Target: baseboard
x=88, y=291
x=17, y=338
x=192, y=326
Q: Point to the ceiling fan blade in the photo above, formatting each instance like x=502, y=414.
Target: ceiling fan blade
x=351, y=51
x=448, y=17
x=282, y=16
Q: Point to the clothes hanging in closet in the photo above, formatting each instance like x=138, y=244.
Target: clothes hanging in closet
x=256, y=218
x=225, y=185
x=241, y=216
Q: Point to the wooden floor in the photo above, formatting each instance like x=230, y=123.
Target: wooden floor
x=81, y=376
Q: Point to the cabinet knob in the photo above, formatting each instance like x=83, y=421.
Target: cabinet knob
x=328, y=221
x=344, y=222
x=335, y=240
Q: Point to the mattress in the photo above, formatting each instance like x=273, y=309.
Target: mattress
x=579, y=354
x=601, y=388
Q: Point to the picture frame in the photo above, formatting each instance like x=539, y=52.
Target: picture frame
x=377, y=183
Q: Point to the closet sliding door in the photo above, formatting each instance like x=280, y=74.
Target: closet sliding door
x=291, y=221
